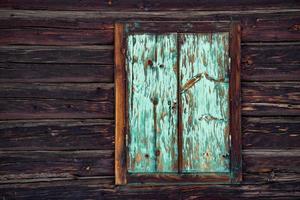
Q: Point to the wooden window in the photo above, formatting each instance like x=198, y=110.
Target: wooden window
x=177, y=90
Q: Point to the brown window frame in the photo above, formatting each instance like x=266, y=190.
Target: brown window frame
x=122, y=29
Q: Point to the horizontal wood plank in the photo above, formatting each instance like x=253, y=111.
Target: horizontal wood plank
x=283, y=71
x=271, y=98
x=45, y=164
x=271, y=28
x=271, y=160
x=66, y=91
x=273, y=191
x=102, y=188
x=86, y=134
x=271, y=132
x=50, y=36
x=90, y=27
x=270, y=62
x=55, y=73
x=52, y=54
x=140, y=5
x=54, y=108
x=33, y=101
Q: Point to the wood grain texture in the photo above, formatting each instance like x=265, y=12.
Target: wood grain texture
x=204, y=94
x=11, y=108
x=55, y=73
x=86, y=134
x=120, y=92
x=49, y=54
x=235, y=103
x=37, y=100
x=47, y=164
x=152, y=103
x=271, y=132
x=140, y=5
x=271, y=98
x=66, y=91
x=271, y=160
x=283, y=71
x=281, y=25
x=51, y=36
x=271, y=56
x=102, y=188
x=276, y=28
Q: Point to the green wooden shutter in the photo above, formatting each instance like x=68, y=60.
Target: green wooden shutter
x=204, y=95
x=152, y=102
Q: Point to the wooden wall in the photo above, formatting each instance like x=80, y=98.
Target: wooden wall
x=57, y=97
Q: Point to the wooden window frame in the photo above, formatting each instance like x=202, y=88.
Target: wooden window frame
x=122, y=29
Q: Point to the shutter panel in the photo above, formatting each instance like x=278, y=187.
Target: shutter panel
x=152, y=103
x=204, y=94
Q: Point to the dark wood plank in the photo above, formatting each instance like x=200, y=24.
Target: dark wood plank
x=267, y=132
x=102, y=188
x=271, y=28
x=55, y=164
x=105, y=19
x=271, y=60
x=283, y=71
x=90, y=134
x=75, y=73
x=51, y=54
x=60, y=189
x=66, y=91
x=54, y=108
x=271, y=98
x=51, y=36
x=73, y=20
x=271, y=177
x=41, y=100
x=274, y=191
x=271, y=160
x=235, y=103
x=139, y=5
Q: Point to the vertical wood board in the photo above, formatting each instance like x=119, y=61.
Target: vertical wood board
x=151, y=65
x=204, y=90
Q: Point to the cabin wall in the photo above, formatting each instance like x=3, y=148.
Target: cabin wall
x=57, y=97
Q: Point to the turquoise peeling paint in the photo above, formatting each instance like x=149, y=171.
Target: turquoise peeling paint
x=152, y=93
x=205, y=104
x=152, y=79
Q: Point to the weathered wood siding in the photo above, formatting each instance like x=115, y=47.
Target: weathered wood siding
x=57, y=97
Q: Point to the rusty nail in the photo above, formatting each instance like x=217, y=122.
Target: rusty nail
x=150, y=62
x=157, y=152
